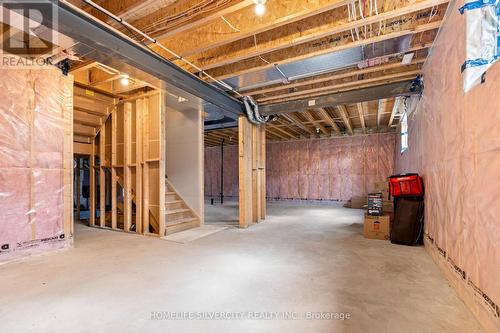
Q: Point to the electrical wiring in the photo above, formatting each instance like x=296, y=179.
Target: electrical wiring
x=134, y=31
x=255, y=44
x=230, y=25
x=199, y=8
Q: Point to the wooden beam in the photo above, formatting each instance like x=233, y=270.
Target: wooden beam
x=381, y=109
x=293, y=119
x=345, y=118
x=141, y=8
x=245, y=171
x=334, y=76
x=191, y=22
x=313, y=49
x=336, y=87
x=277, y=129
x=92, y=194
x=395, y=110
x=308, y=115
x=114, y=177
x=361, y=113
x=326, y=25
x=78, y=187
x=218, y=32
x=127, y=161
x=102, y=176
x=262, y=171
x=139, y=109
x=326, y=117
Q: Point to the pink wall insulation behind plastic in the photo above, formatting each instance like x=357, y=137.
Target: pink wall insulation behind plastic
x=454, y=143
x=326, y=169
x=35, y=105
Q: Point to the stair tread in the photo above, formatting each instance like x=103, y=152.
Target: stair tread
x=173, y=202
x=180, y=210
x=180, y=221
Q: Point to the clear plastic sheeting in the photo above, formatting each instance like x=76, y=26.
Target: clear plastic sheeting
x=454, y=144
x=482, y=39
x=35, y=161
x=334, y=169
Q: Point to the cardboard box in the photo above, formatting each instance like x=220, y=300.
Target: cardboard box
x=358, y=202
x=377, y=227
x=388, y=206
x=383, y=187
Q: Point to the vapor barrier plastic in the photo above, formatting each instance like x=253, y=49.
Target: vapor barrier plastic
x=482, y=18
x=454, y=144
x=35, y=161
x=321, y=169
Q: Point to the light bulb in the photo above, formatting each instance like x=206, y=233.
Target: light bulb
x=260, y=9
x=124, y=80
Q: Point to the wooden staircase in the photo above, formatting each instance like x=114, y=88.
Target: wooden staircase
x=178, y=215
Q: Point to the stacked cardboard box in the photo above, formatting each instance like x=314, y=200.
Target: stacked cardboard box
x=378, y=227
x=375, y=204
x=388, y=203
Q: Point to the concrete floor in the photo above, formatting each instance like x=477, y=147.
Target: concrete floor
x=301, y=259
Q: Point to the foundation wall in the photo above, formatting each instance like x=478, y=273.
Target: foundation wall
x=334, y=169
x=454, y=143
x=36, y=161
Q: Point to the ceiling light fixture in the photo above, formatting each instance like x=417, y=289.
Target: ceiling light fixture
x=124, y=80
x=260, y=7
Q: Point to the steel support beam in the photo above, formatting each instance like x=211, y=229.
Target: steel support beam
x=110, y=44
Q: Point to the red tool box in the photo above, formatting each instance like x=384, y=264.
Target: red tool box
x=406, y=185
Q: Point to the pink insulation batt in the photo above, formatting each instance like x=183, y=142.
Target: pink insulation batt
x=34, y=109
x=454, y=143
x=327, y=169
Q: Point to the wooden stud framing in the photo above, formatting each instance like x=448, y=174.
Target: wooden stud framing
x=162, y=223
x=102, y=176
x=78, y=187
x=114, y=178
x=127, y=172
x=139, y=107
x=141, y=158
x=145, y=156
x=245, y=171
x=252, y=184
x=92, y=184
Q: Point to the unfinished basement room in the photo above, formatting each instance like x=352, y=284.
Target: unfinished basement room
x=250, y=166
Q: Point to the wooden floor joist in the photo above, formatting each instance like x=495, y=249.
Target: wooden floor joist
x=302, y=52
x=345, y=118
x=317, y=28
x=333, y=76
x=355, y=84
